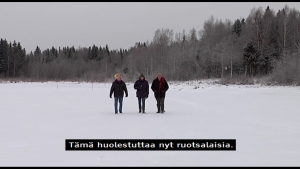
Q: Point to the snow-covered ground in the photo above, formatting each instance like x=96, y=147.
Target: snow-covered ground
x=36, y=118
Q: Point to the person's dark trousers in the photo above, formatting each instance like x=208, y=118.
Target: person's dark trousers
x=120, y=100
x=160, y=104
x=142, y=106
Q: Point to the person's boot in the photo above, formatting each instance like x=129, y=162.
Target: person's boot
x=158, y=109
x=144, y=111
x=162, y=108
x=140, y=111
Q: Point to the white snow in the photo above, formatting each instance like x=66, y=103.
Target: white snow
x=36, y=118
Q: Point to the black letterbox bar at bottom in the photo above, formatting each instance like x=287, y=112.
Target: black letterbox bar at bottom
x=150, y=144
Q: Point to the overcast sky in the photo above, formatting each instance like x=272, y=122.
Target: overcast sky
x=118, y=24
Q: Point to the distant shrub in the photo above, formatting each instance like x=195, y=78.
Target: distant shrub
x=287, y=71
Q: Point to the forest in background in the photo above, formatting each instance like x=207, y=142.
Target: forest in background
x=265, y=45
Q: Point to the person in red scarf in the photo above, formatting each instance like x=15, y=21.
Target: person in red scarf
x=159, y=87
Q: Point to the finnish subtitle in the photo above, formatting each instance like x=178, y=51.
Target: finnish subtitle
x=150, y=144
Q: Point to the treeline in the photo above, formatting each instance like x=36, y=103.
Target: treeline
x=265, y=44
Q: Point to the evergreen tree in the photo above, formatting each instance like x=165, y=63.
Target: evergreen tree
x=243, y=20
x=9, y=60
x=121, y=54
x=54, y=52
x=37, y=53
x=94, y=53
x=251, y=58
x=21, y=60
x=47, y=56
x=3, y=57
x=15, y=58
x=107, y=50
x=237, y=27
x=89, y=55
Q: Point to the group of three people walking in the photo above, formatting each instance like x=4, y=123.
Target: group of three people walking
x=159, y=86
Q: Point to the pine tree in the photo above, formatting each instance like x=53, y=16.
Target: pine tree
x=37, y=54
x=94, y=53
x=54, y=52
x=251, y=58
x=15, y=58
x=237, y=27
x=121, y=54
x=21, y=60
x=9, y=59
x=243, y=20
x=48, y=56
x=107, y=49
x=89, y=55
x=3, y=57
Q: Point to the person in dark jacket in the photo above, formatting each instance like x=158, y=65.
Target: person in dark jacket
x=159, y=87
x=142, y=91
x=118, y=87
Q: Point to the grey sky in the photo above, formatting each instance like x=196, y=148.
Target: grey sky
x=118, y=24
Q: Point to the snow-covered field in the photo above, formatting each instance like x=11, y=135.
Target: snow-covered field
x=36, y=118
